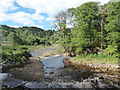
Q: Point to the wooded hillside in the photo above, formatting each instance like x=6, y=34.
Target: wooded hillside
x=25, y=35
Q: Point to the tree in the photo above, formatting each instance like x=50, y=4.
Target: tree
x=60, y=24
x=113, y=27
x=33, y=40
x=23, y=33
x=15, y=39
x=102, y=21
x=85, y=33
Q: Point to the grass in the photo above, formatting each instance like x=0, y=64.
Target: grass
x=20, y=48
x=102, y=59
x=10, y=52
x=57, y=51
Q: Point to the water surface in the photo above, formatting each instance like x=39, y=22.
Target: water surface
x=60, y=75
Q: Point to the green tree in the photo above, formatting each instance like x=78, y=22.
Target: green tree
x=113, y=27
x=62, y=22
x=85, y=33
x=15, y=39
x=33, y=40
x=23, y=34
x=102, y=21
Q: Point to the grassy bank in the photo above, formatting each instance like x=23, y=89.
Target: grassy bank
x=101, y=59
x=18, y=54
x=21, y=48
x=58, y=51
x=92, y=58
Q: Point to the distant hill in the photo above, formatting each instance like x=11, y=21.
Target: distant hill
x=24, y=35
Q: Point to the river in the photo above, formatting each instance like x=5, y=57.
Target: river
x=61, y=76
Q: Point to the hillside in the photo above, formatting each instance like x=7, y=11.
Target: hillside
x=25, y=35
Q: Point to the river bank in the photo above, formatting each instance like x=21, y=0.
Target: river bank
x=108, y=73
x=56, y=71
x=111, y=71
x=100, y=70
x=83, y=63
x=33, y=71
x=99, y=67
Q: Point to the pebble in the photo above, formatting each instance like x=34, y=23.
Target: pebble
x=101, y=78
x=87, y=84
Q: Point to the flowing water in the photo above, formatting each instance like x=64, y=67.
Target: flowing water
x=60, y=75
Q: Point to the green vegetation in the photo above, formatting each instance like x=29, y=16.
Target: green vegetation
x=18, y=58
x=18, y=42
x=94, y=31
x=25, y=35
x=92, y=58
x=19, y=48
x=89, y=31
x=58, y=51
x=16, y=54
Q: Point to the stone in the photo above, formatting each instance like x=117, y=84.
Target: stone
x=101, y=77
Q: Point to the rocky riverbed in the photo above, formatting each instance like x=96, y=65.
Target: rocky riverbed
x=54, y=72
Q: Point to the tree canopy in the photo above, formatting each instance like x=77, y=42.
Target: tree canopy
x=25, y=35
x=94, y=28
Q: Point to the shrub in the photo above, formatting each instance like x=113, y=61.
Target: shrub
x=18, y=58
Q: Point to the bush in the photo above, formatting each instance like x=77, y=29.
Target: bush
x=18, y=58
x=112, y=51
x=24, y=48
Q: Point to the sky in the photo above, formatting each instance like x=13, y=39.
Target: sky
x=38, y=13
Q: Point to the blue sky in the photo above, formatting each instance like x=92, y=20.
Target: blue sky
x=39, y=13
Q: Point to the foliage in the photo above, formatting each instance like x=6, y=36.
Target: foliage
x=25, y=35
x=17, y=41
x=112, y=50
x=86, y=30
x=18, y=58
x=93, y=58
x=113, y=28
x=95, y=29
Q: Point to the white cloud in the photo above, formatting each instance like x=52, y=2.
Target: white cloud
x=49, y=19
x=37, y=17
x=15, y=26
x=7, y=5
x=51, y=7
x=3, y=17
x=21, y=18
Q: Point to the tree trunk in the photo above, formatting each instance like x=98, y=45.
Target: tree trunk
x=101, y=27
